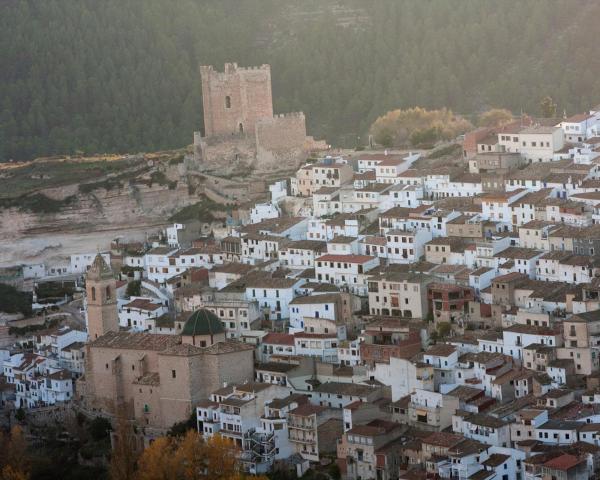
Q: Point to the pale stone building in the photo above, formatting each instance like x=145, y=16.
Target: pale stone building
x=156, y=380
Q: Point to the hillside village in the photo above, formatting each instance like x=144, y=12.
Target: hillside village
x=401, y=317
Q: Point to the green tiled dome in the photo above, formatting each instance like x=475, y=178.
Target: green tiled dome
x=202, y=322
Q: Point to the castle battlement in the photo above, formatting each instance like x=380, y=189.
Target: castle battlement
x=279, y=117
x=289, y=115
x=233, y=68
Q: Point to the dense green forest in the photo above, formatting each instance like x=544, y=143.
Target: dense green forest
x=122, y=75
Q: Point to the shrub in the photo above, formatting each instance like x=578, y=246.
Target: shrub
x=99, y=428
x=134, y=288
x=14, y=301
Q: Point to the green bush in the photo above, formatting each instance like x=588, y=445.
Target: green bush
x=134, y=288
x=108, y=184
x=55, y=289
x=181, y=428
x=37, y=203
x=99, y=428
x=198, y=211
x=453, y=149
x=176, y=160
x=20, y=414
x=425, y=136
x=14, y=301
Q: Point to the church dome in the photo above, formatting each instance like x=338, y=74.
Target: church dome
x=202, y=322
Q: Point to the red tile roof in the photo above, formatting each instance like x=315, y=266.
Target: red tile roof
x=307, y=409
x=345, y=258
x=564, y=462
x=278, y=338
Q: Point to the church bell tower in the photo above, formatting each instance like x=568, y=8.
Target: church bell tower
x=101, y=292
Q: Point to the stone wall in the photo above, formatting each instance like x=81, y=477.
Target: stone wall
x=281, y=140
x=224, y=151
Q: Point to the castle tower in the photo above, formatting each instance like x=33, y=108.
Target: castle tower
x=101, y=290
x=234, y=100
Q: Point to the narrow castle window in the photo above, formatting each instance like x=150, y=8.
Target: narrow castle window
x=227, y=101
x=241, y=128
x=108, y=293
x=93, y=293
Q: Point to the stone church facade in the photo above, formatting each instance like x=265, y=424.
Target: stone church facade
x=155, y=380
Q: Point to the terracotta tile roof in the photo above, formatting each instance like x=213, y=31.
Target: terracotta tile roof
x=564, y=462
x=578, y=118
x=278, y=339
x=143, y=304
x=443, y=439
x=441, y=350
x=307, y=409
x=345, y=258
x=135, y=341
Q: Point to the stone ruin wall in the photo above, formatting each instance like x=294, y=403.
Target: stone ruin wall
x=281, y=140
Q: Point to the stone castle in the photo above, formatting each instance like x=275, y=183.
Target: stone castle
x=239, y=123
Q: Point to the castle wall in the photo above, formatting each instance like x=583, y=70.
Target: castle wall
x=234, y=100
x=281, y=139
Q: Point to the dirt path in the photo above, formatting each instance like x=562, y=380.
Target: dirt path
x=56, y=247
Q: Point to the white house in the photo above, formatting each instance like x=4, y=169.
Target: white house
x=323, y=306
x=579, y=127
x=322, y=346
x=263, y=211
x=483, y=428
x=403, y=376
x=345, y=270
x=159, y=267
x=558, y=432
x=81, y=262
x=497, y=206
x=138, y=310
x=406, y=246
x=272, y=294
x=301, y=254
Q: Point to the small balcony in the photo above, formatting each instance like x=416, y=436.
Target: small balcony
x=230, y=433
x=303, y=440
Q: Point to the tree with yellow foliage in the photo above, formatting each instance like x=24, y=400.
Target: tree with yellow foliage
x=14, y=464
x=495, y=117
x=190, y=457
x=418, y=126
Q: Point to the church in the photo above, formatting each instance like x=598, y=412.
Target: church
x=154, y=379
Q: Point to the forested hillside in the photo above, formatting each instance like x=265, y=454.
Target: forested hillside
x=122, y=75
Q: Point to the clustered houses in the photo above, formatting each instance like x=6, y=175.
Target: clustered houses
x=407, y=322
x=46, y=375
